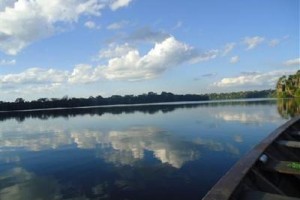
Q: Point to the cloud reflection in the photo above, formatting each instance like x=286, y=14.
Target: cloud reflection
x=166, y=148
x=256, y=117
x=120, y=147
x=19, y=184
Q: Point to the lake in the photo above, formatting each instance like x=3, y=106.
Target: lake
x=175, y=151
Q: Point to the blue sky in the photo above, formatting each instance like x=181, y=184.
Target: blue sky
x=83, y=48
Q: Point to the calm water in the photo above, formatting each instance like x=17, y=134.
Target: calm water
x=144, y=152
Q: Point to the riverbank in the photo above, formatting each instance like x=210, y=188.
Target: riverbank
x=150, y=98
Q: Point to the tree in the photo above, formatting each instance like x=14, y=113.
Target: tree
x=19, y=100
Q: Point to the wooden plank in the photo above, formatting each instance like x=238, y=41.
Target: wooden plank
x=295, y=133
x=266, y=184
x=256, y=195
x=288, y=143
x=285, y=167
x=229, y=182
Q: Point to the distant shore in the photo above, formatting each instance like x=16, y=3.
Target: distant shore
x=128, y=100
x=146, y=104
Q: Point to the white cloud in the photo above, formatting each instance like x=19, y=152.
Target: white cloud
x=26, y=184
x=123, y=62
x=234, y=59
x=228, y=48
x=91, y=25
x=115, y=50
x=6, y=3
x=116, y=4
x=117, y=25
x=292, y=62
x=258, y=117
x=252, y=42
x=7, y=62
x=267, y=79
x=43, y=18
x=33, y=81
x=164, y=55
x=83, y=74
x=34, y=76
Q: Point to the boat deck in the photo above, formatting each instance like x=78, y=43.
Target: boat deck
x=271, y=171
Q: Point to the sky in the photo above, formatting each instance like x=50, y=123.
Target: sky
x=82, y=48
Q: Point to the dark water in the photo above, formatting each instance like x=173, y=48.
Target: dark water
x=143, y=152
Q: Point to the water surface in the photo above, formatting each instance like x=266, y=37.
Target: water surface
x=140, y=152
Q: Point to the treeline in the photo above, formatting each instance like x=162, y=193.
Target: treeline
x=21, y=116
x=243, y=95
x=151, y=97
x=288, y=86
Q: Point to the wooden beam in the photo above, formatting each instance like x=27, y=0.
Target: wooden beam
x=288, y=143
x=256, y=195
x=285, y=167
x=225, y=187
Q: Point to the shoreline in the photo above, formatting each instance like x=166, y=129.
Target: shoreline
x=144, y=104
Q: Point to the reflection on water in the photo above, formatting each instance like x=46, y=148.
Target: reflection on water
x=21, y=184
x=289, y=107
x=117, y=147
x=146, y=109
x=144, y=152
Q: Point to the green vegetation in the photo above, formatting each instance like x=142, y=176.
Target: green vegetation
x=288, y=108
x=151, y=97
x=288, y=86
x=243, y=95
x=294, y=165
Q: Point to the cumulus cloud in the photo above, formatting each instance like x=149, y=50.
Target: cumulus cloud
x=117, y=25
x=115, y=5
x=253, y=42
x=234, y=59
x=164, y=55
x=268, y=79
x=34, y=75
x=292, y=62
x=4, y=62
x=122, y=62
x=84, y=74
x=33, y=80
x=42, y=19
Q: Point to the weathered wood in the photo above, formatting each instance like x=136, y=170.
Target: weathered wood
x=285, y=167
x=295, y=133
x=256, y=195
x=268, y=185
x=288, y=143
x=227, y=185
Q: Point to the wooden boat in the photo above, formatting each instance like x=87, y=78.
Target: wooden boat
x=270, y=171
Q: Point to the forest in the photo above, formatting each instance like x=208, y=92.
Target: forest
x=289, y=86
x=150, y=97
